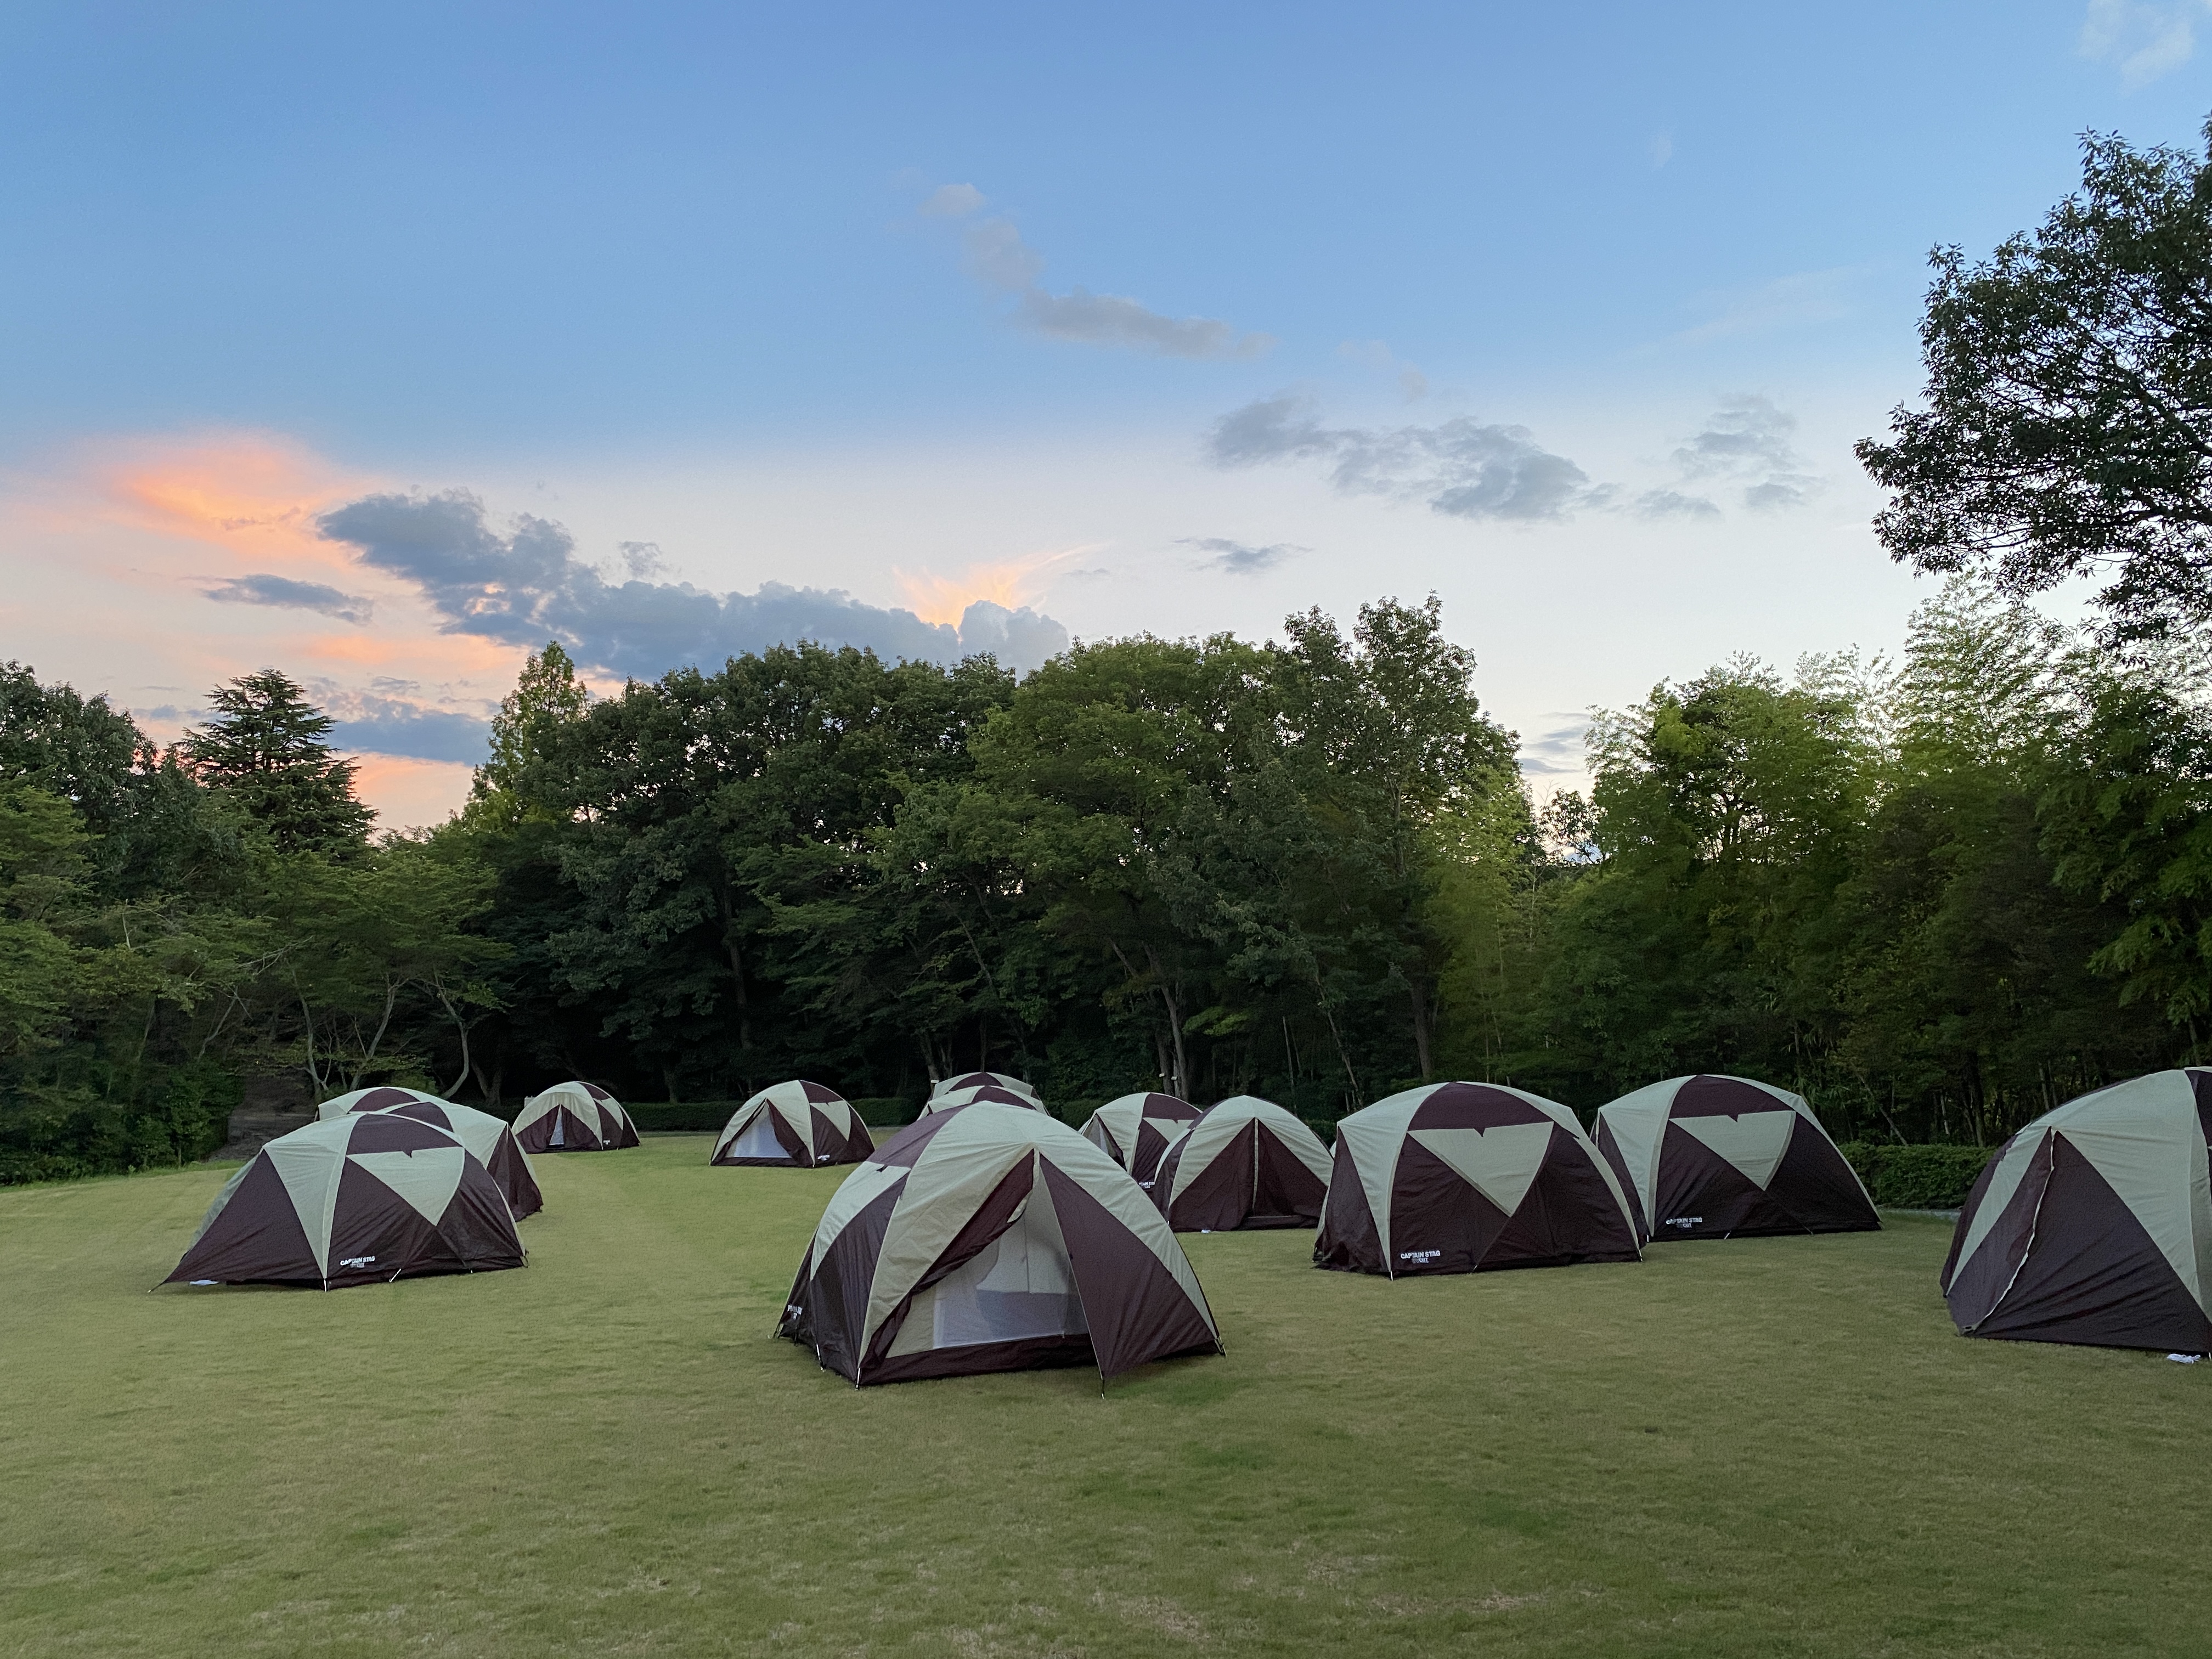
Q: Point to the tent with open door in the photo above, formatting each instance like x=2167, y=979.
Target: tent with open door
x=987, y=1091
x=1465, y=1177
x=357, y=1200
x=573, y=1117
x=981, y=1081
x=992, y=1238
x=1726, y=1158
x=1134, y=1130
x=1246, y=1162
x=795, y=1125
x=2093, y=1224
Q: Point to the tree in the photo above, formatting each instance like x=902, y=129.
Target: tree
x=546, y=694
x=265, y=752
x=2068, y=430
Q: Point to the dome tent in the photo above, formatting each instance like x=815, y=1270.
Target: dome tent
x=1710, y=1157
x=489, y=1138
x=1465, y=1177
x=989, y=1091
x=982, y=1080
x=1135, y=1129
x=357, y=1200
x=990, y=1239
x=370, y=1100
x=1243, y=1163
x=573, y=1117
x=796, y=1125
x=2093, y=1224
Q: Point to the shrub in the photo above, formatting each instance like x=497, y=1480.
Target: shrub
x=1916, y=1177
x=887, y=1111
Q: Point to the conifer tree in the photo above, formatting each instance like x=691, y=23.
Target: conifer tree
x=265, y=750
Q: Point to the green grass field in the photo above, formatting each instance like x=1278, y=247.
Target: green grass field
x=1757, y=1448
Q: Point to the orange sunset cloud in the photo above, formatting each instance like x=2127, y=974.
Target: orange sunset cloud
x=1010, y=582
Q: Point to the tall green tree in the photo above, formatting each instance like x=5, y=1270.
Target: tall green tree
x=2069, y=425
x=265, y=752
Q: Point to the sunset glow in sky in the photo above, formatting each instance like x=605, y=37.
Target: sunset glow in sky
x=382, y=345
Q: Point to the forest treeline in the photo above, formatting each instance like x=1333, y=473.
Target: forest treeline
x=1937, y=896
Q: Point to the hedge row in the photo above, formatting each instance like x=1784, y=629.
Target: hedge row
x=1916, y=1177
x=706, y=1117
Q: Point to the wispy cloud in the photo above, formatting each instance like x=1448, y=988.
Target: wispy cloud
x=2144, y=38
x=1412, y=385
x=525, y=584
x=1792, y=301
x=996, y=256
x=1559, y=751
x=952, y=202
x=1239, y=559
x=1462, y=468
x=285, y=592
x=1747, y=440
x=1674, y=504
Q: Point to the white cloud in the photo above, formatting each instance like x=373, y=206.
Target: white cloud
x=2146, y=40
x=952, y=202
x=1661, y=149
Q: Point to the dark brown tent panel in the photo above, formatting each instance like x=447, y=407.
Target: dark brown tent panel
x=992, y=1237
x=2093, y=1225
x=1465, y=1177
x=357, y=1200
x=1134, y=1130
x=795, y=1125
x=1243, y=1163
x=1710, y=1157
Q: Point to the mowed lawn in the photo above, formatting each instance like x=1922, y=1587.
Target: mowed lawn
x=1754, y=1448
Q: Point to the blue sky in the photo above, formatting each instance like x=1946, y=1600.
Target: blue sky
x=896, y=301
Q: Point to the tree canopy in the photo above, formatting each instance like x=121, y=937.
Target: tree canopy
x=2069, y=425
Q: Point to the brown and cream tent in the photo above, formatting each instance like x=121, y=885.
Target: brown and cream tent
x=1134, y=1130
x=357, y=1200
x=796, y=1125
x=2093, y=1224
x=990, y=1091
x=487, y=1137
x=370, y=1100
x=1726, y=1158
x=982, y=1080
x=992, y=1238
x=1464, y=1177
x=1245, y=1163
x=573, y=1117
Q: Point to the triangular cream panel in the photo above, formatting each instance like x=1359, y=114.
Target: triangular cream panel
x=426, y=1178
x=306, y=1164
x=1753, y=1142
x=1498, y=1163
